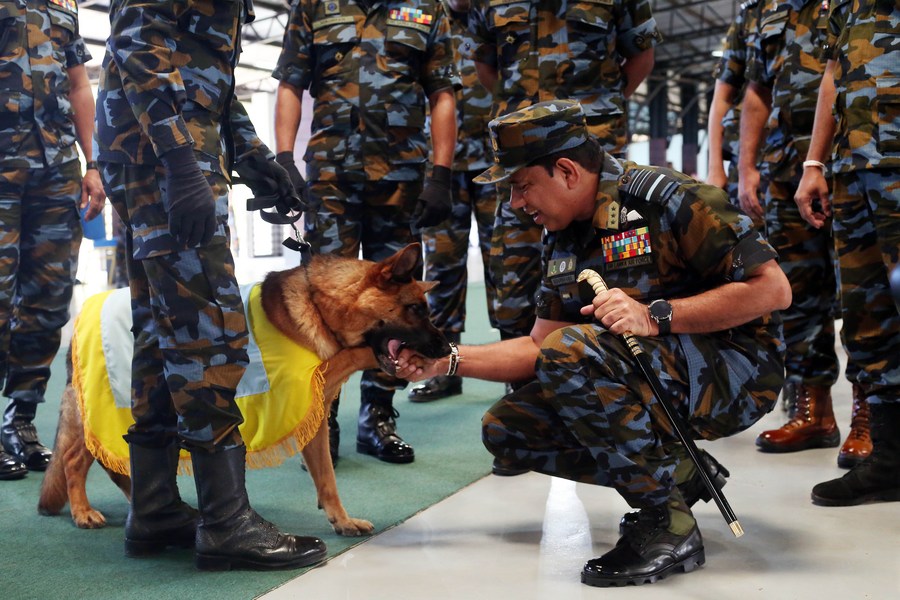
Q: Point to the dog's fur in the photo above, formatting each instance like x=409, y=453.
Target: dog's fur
x=353, y=314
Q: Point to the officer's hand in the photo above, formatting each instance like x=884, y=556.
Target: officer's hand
x=436, y=200
x=748, y=186
x=268, y=178
x=620, y=313
x=93, y=197
x=286, y=160
x=812, y=197
x=191, y=203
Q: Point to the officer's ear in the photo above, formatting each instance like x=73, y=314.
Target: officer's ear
x=569, y=170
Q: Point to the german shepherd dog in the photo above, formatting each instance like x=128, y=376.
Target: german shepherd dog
x=353, y=314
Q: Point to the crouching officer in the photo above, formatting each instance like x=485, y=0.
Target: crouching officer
x=689, y=275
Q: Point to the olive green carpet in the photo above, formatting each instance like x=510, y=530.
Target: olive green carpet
x=44, y=558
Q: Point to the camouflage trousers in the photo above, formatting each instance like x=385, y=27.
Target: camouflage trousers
x=446, y=249
x=807, y=256
x=41, y=234
x=190, y=333
x=866, y=219
x=372, y=216
x=591, y=416
x=515, y=258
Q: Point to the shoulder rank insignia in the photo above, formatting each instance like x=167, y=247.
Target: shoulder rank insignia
x=648, y=185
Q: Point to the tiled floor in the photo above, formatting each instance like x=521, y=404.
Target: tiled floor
x=527, y=537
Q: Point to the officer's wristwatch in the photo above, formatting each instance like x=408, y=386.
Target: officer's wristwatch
x=661, y=312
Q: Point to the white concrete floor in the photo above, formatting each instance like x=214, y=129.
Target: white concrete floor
x=527, y=537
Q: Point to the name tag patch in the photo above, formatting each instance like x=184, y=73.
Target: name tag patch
x=627, y=249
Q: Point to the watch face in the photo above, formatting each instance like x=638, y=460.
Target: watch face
x=660, y=310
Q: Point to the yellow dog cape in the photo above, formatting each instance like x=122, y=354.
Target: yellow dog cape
x=281, y=395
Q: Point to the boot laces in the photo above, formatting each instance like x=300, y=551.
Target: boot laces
x=859, y=422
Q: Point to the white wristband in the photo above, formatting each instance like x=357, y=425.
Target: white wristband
x=454, y=360
x=814, y=163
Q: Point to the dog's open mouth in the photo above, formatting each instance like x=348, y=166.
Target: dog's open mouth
x=387, y=355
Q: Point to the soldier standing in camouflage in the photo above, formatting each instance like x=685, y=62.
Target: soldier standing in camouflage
x=370, y=66
x=689, y=275
x=46, y=106
x=860, y=85
x=169, y=129
x=594, y=52
x=725, y=108
x=446, y=245
x=784, y=70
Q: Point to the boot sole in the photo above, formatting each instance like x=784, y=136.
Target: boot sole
x=686, y=565
x=371, y=451
x=211, y=562
x=883, y=496
x=830, y=441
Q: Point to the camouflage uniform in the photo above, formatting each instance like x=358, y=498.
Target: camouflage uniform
x=369, y=71
x=543, y=51
x=446, y=246
x=40, y=189
x=785, y=59
x=863, y=42
x=167, y=81
x=655, y=234
x=731, y=69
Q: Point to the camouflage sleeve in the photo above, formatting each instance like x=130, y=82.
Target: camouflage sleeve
x=485, y=50
x=153, y=85
x=731, y=67
x=763, y=53
x=717, y=240
x=837, y=20
x=635, y=27
x=76, y=52
x=296, y=61
x=439, y=71
x=246, y=141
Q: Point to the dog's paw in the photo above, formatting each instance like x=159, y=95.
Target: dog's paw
x=353, y=527
x=89, y=519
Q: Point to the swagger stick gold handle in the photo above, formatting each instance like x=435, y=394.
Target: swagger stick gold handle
x=680, y=428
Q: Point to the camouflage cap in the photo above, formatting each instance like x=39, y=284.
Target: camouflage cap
x=520, y=137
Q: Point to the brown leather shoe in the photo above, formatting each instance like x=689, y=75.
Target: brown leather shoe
x=858, y=444
x=812, y=426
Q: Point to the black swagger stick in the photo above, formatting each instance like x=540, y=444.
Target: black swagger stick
x=681, y=429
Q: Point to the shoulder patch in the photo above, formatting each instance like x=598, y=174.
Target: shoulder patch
x=648, y=185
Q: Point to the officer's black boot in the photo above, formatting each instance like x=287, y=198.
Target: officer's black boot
x=19, y=437
x=230, y=534
x=11, y=467
x=877, y=477
x=377, y=433
x=157, y=518
x=439, y=386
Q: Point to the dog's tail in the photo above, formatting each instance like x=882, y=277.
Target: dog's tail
x=54, y=492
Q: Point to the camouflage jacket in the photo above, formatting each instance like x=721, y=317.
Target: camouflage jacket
x=39, y=42
x=786, y=58
x=548, y=50
x=655, y=234
x=864, y=40
x=732, y=68
x=473, y=102
x=168, y=80
x=369, y=72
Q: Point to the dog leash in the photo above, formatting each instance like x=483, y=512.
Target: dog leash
x=282, y=216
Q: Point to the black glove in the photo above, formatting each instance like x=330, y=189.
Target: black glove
x=286, y=160
x=266, y=177
x=192, y=206
x=436, y=200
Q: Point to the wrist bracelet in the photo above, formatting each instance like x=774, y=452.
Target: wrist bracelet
x=454, y=360
x=90, y=165
x=814, y=163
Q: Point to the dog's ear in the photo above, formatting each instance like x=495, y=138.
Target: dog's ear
x=427, y=286
x=401, y=266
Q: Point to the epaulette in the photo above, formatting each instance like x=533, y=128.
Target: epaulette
x=748, y=4
x=648, y=185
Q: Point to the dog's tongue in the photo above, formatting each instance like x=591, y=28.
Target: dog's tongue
x=394, y=347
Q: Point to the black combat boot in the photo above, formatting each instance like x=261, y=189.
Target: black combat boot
x=334, y=432
x=19, y=437
x=157, y=518
x=230, y=534
x=877, y=477
x=646, y=553
x=377, y=433
x=692, y=487
x=11, y=467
